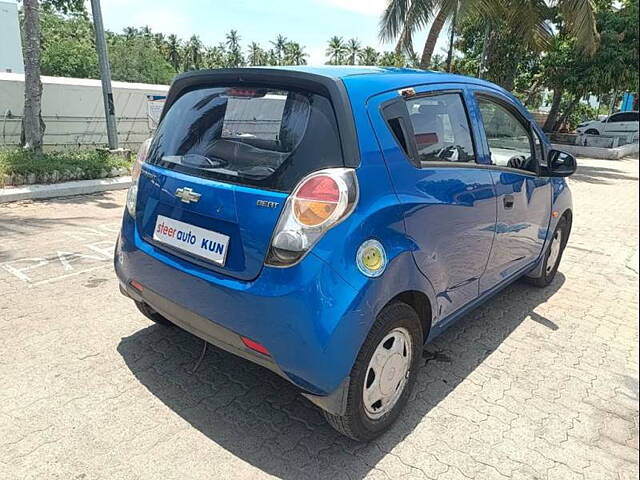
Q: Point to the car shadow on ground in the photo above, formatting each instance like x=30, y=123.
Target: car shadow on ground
x=600, y=175
x=261, y=418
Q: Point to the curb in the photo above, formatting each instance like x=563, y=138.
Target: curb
x=64, y=189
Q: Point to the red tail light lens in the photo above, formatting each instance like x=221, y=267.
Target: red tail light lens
x=320, y=201
x=316, y=200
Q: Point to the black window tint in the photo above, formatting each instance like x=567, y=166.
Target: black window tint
x=509, y=140
x=629, y=117
x=396, y=128
x=264, y=137
x=618, y=117
x=441, y=128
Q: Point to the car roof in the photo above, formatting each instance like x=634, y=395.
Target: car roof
x=383, y=78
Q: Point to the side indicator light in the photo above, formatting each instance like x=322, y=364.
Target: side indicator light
x=555, y=214
x=137, y=285
x=255, y=346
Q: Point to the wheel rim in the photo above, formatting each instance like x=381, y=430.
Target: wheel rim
x=554, y=250
x=387, y=373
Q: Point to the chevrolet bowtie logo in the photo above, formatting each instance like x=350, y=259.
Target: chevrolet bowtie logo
x=187, y=195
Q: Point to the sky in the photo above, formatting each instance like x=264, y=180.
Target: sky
x=308, y=22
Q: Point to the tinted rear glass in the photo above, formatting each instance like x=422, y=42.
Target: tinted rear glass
x=264, y=137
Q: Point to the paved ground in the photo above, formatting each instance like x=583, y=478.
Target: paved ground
x=536, y=384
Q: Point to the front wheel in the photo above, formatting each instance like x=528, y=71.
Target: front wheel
x=553, y=255
x=592, y=131
x=383, y=375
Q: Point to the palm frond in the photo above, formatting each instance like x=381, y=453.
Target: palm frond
x=580, y=19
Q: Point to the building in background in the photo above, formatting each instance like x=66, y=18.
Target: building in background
x=10, y=44
x=73, y=111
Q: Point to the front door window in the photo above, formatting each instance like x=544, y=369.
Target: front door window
x=509, y=140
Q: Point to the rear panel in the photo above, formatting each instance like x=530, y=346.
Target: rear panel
x=222, y=163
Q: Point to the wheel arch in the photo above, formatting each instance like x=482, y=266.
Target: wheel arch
x=419, y=301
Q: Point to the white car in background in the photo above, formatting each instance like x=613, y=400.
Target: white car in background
x=621, y=123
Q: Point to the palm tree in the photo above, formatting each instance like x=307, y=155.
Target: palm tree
x=257, y=56
x=234, y=55
x=294, y=54
x=173, y=52
x=215, y=57
x=402, y=18
x=193, y=53
x=278, y=48
x=353, y=47
x=368, y=56
x=336, y=51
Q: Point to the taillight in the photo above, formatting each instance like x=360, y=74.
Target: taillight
x=319, y=202
x=316, y=200
x=132, y=194
x=143, y=151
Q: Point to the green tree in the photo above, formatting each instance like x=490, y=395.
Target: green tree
x=353, y=48
x=172, y=52
x=403, y=18
x=279, y=46
x=215, y=57
x=336, y=51
x=193, y=53
x=256, y=56
x=613, y=67
x=234, y=51
x=68, y=48
x=368, y=56
x=294, y=54
x=137, y=60
x=32, y=124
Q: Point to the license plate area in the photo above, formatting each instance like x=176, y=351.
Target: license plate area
x=197, y=241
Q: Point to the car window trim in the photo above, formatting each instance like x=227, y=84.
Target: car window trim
x=402, y=113
x=526, y=124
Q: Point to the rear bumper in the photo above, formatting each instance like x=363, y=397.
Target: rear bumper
x=310, y=320
x=199, y=326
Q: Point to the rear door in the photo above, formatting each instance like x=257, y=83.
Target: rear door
x=524, y=197
x=221, y=166
x=449, y=199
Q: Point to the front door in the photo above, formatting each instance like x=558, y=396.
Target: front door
x=523, y=197
x=448, y=201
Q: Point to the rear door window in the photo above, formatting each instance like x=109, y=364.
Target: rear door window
x=264, y=137
x=441, y=128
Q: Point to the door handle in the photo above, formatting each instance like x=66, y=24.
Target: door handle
x=508, y=201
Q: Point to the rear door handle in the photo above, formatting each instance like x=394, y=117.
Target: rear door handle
x=508, y=201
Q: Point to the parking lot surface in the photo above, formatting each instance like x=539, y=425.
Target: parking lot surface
x=535, y=384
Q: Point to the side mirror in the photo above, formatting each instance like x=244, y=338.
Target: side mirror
x=561, y=164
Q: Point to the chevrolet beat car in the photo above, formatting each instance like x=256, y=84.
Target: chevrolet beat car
x=326, y=222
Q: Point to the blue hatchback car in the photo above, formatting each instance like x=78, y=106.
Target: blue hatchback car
x=326, y=222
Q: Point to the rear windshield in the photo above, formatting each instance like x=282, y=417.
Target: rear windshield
x=264, y=137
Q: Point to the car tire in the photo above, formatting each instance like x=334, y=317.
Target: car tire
x=152, y=315
x=553, y=255
x=361, y=421
x=592, y=131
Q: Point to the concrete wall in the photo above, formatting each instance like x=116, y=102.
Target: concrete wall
x=73, y=111
x=598, y=152
x=10, y=44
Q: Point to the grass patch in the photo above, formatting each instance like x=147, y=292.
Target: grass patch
x=58, y=166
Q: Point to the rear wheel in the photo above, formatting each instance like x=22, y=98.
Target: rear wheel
x=383, y=375
x=152, y=315
x=553, y=255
